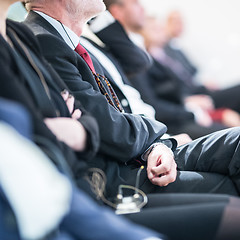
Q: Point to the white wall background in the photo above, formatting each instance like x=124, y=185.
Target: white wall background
x=211, y=37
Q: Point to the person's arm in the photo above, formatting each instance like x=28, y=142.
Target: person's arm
x=75, y=108
x=123, y=136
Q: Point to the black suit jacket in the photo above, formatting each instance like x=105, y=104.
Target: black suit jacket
x=123, y=136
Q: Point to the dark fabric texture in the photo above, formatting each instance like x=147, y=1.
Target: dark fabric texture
x=159, y=88
x=132, y=59
x=185, y=216
x=104, y=222
x=8, y=224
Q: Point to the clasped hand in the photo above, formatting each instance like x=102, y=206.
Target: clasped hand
x=69, y=130
x=161, y=166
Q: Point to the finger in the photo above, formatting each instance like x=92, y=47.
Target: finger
x=70, y=103
x=77, y=114
x=165, y=165
x=152, y=162
x=65, y=94
x=165, y=179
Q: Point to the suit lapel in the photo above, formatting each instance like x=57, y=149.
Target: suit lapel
x=40, y=25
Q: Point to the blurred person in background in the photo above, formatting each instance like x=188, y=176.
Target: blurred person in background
x=174, y=28
x=155, y=36
x=177, y=60
x=160, y=87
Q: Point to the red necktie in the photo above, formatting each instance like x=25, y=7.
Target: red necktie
x=84, y=54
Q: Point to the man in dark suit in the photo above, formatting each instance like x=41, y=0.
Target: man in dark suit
x=168, y=110
x=123, y=136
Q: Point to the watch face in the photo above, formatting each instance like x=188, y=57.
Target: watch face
x=168, y=143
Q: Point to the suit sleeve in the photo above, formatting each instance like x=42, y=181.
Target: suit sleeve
x=123, y=136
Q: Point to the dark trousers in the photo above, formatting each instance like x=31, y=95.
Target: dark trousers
x=207, y=165
x=192, y=216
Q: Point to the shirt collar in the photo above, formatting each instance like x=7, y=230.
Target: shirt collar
x=71, y=38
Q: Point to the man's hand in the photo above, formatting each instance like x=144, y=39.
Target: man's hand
x=161, y=167
x=69, y=100
x=69, y=131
